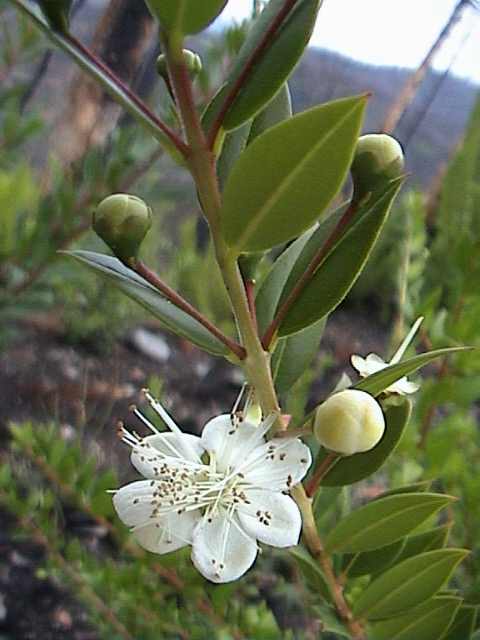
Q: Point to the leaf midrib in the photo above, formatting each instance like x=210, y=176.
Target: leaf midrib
x=278, y=192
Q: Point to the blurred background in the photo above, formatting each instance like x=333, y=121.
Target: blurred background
x=74, y=353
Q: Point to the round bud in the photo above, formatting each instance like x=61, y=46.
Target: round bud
x=122, y=222
x=378, y=158
x=349, y=422
x=192, y=61
x=57, y=13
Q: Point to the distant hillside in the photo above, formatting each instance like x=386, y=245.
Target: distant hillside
x=323, y=75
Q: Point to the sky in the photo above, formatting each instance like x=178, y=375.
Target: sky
x=392, y=32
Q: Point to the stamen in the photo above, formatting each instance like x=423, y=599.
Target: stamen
x=156, y=406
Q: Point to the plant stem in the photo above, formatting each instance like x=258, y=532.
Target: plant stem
x=150, y=276
x=316, y=548
x=308, y=274
x=201, y=160
x=323, y=468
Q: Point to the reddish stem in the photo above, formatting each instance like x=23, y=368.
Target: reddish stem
x=248, y=68
x=250, y=292
x=308, y=274
x=151, y=277
x=323, y=468
x=171, y=135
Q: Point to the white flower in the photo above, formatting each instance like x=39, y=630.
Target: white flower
x=373, y=363
x=221, y=506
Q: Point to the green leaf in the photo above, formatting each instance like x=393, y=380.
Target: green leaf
x=311, y=572
x=463, y=624
x=378, y=382
x=185, y=16
x=427, y=622
x=116, y=92
x=384, y=521
x=407, y=584
x=286, y=178
x=416, y=487
x=276, y=111
x=272, y=286
x=435, y=538
x=339, y=270
x=142, y=292
x=330, y=621
x=293, y=356
x=372, y=562
x=361, y=465
x=273, y=63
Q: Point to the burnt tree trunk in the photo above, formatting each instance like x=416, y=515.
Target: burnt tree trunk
x=122, y=38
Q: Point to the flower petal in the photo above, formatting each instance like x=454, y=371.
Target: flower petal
x=221, y=550
x=162, y=534
x=168, y=534
x=271, y=517
x=403, y=387
x=230, y=440
x=277, y=465
x=171, y=448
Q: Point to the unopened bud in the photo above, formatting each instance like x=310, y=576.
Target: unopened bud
x=56, y=12
x=378, y=159
x=192, y=61
x=349, y=422
x=122, y=222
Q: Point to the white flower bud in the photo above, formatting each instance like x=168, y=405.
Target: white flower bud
x=349, y=422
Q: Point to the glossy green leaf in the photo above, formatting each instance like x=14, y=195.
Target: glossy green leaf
x=116, y=92
x=286, y=178
x=361, y=465
x=293, y=356
x=330, y=621
x=384, y=521
x=408, y=584
x=279, y=109
x=273, y=63
x=372, y=562
x=416, y=487
x=138, y=289
x=233, y=145
x=269, y=293
x=185, y=16
x=463, y=624
x=340, y=269
x=435, y=538
x=377, y=382
x=276, y=111
x=427, y=622
x=311, y=572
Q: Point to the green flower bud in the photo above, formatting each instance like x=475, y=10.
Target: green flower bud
x=122, y=222
x=349, y=422
x=378, y=159
x=191, y=59
x=56, y=12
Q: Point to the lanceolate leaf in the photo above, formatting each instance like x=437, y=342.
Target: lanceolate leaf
x=407, y=584
x=384, y=521
x=185, y=16
x=426, y=541
x=233, y=145
x=142, y=292
x=463, y=623
x=377, y=382
x=361, y=465
x=373, y=562
x=338, y=272
x=276, y=111
x=427, y=622
x=117, y=93
x=271, y=288
x=286, y=178
x=293, y=356
x=311, y=571
x=272, y=66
